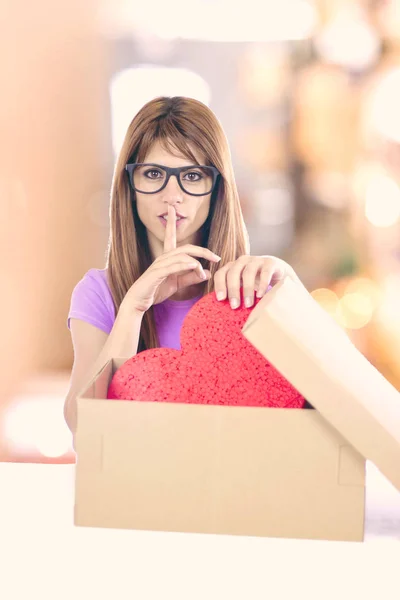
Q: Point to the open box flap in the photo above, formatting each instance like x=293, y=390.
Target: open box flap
x=314, y=353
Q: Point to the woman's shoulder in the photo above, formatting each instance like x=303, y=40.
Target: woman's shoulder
x=92, y=300
x=96, y=276
x=95, y=281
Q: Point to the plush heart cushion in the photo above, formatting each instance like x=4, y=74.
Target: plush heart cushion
x=216, y=365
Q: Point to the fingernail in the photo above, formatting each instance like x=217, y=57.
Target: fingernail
x=259, y=294
x=220, y=296
x=248, y=302
x=234, y=303
x=203, y=275
x=218, y=258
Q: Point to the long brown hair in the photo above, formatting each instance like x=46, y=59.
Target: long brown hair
x=177, y=123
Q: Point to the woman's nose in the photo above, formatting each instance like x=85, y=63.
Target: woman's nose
x=172, y=191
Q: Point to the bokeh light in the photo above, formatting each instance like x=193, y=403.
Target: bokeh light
x=389, y=313
x=131, y=88
x=327, y=299
x=382, y=201
x=366, y=287
x=349, y=40
x=382, y=115
x=224, y=21
x=355, y=308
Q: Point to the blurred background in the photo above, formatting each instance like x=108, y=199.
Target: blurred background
x=308, y=92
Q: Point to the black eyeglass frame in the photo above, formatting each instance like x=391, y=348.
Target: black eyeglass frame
x=129, y=168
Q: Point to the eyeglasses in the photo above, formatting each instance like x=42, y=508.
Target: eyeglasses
x=148, y=178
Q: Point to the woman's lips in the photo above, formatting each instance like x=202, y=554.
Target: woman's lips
x=179, y=221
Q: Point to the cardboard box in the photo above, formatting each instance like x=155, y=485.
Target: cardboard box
x=293, y=473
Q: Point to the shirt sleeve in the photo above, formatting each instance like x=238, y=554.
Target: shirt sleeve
x=91, y=302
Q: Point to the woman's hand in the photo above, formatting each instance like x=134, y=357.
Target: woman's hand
x=175, y=269
x=254, y=273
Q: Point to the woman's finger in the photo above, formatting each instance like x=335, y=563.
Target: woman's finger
x=269, y=274
x=220, y=286
x=162, y=272
x=197, y=251
x=192, y=278
x=170, y=230
x=166, y=260
x=234, y=280
x=249, y=279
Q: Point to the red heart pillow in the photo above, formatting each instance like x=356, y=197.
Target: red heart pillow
x=216, y=365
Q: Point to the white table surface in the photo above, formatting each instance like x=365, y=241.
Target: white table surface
x=43, y=556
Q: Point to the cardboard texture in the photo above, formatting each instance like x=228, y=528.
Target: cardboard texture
x=245, y=471
x=307, y=346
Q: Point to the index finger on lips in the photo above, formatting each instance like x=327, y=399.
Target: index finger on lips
x=170, y=230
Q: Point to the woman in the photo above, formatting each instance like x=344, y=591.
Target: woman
x=177, y=232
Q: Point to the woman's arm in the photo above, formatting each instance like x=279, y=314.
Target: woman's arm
x=93, y=348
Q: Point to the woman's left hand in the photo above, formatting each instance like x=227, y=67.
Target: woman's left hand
x=254, y=273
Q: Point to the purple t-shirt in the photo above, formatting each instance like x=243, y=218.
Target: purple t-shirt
x=92, y=302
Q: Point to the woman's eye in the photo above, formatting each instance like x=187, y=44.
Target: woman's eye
x=153, y=174
x=193, y=176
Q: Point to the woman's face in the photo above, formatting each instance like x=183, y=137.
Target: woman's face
x=192, y=211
